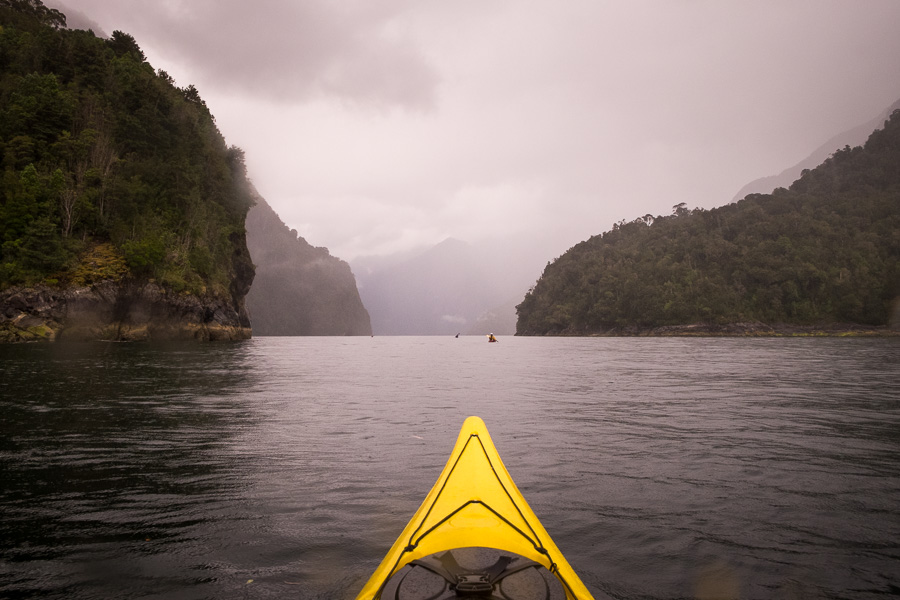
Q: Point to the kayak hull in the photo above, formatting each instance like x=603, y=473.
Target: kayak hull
x=475, y=503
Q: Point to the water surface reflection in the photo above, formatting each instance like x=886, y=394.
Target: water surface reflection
x=286, y=466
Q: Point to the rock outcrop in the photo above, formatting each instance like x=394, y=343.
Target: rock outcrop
x=123, y=311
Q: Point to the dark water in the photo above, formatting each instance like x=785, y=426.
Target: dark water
x=285, y=467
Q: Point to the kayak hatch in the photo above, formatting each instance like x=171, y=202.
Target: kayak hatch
x=474, y=503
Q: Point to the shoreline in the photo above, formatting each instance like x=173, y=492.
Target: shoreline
x=754, y=329
x=126, y=311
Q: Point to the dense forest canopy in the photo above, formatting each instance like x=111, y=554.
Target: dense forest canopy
x=108, y=169
x=825, y=251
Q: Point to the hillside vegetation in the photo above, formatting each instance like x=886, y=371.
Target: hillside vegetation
x=108, y=169
x=825, y=251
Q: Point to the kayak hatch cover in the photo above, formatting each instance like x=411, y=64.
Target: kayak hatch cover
x=474, y=503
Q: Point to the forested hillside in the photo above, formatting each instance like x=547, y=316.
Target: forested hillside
x=109, y=170
x=825, y=251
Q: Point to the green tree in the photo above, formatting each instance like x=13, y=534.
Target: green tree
x=824, y=251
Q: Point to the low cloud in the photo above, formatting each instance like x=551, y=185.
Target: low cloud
x=281, y=51
x=373, y=127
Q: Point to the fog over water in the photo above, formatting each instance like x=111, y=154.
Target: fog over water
x=379, y=127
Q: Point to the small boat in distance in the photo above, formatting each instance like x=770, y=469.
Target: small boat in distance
x=491, y=338
x=475, y=536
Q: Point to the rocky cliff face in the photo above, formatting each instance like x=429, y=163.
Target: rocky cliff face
x=117, y=312
x=129, y=309
x=299, y=289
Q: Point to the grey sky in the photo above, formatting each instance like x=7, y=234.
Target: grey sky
x=374, y=126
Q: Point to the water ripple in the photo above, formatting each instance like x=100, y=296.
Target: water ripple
x=287, y=466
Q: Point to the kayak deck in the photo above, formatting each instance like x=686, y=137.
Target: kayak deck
x=473, y=504
x=489, y=573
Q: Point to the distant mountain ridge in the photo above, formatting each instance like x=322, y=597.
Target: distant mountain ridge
x=299, y=289
x=452, y=287
x=426, y=294
x=852, y=137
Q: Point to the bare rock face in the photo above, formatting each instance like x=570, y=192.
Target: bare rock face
x=123, y=311
x=130, y=309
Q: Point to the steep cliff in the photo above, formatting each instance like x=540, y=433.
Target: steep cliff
x=134, y=311
x=299, y=289
x=121, y=207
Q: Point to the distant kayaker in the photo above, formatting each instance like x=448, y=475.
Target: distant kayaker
x=491, y=337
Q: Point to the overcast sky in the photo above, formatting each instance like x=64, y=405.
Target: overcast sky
x=375, y=126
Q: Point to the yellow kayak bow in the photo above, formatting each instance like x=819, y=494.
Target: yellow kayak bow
x=475, y=504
